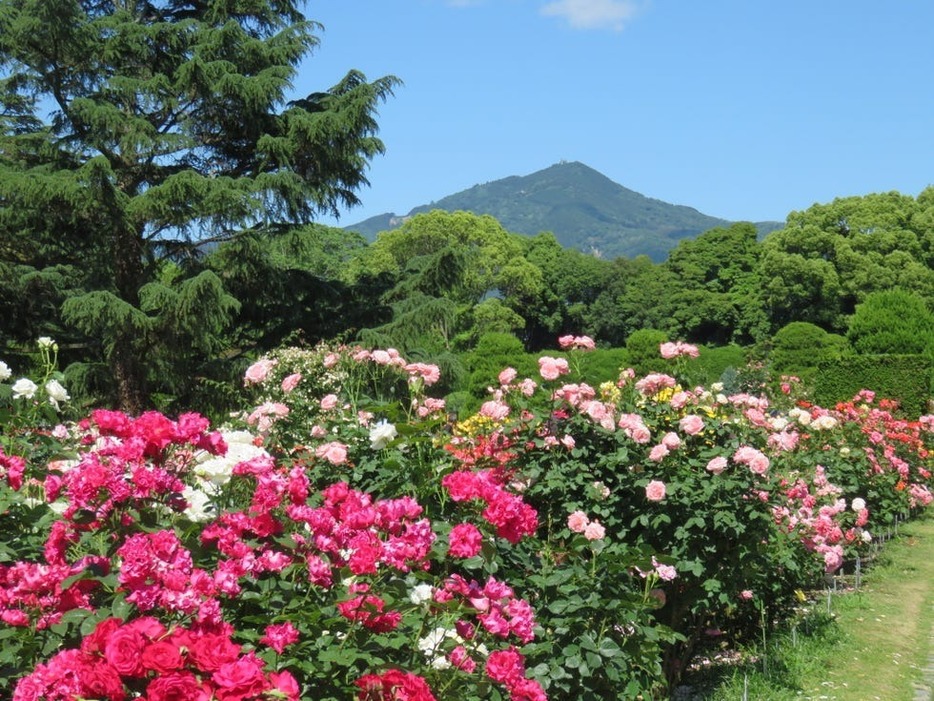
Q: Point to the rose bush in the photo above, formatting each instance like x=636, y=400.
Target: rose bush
x=346, y=537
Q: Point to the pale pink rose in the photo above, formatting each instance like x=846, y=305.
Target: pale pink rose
x=527, y=387
x=330, y=360
x=594, y=531
x=578, y=521
x=691, y=424
x=318, y=431
x=566, y=341
x=665, y=572
x=641, y=434
x=679, y=400
x=658, y=452
x=759, y=464
x=668, y=350
x=507, y=376
x=328, y=402
x=585, y=343
x=381, y=357
x=671, y=440
x=552, y=368
x=334, y=452
x=550, y=441
x=361, y=356
x=495, y=410
x=291, y=382
x=746, y=595
x=655, y=490
x=717, y=465
x=429, y=374
x=258, y=371
x=568, y=441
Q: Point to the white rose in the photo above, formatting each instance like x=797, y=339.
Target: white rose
x=56, y=392
x=421, y=593
x=5, y=371
x=381, y=434
x=199, y=505
x=858, y=504
x=45, y=342
x=24, y=388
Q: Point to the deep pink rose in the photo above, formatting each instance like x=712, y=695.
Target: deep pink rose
x=465, y=540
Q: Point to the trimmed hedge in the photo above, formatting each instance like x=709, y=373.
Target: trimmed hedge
x=906, y=378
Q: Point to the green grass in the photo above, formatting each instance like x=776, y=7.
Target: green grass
x=873, y=643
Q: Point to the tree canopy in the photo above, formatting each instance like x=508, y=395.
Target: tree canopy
x=133, y=132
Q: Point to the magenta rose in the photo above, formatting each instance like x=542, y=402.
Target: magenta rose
x=466, y=540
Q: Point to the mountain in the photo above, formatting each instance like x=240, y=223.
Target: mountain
x=582, y=207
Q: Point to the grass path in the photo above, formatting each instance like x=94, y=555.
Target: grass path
x=880, y=645
x=887, y=625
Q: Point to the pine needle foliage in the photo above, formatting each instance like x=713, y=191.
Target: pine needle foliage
x=133, y=132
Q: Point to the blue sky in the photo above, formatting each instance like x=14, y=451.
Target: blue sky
x=743, y=109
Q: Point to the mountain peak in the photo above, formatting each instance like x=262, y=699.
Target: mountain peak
x=582, y=207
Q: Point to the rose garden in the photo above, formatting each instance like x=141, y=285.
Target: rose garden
x=346, y=535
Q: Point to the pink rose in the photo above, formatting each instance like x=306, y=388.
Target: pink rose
x=552, y=368
x=691, y=424
x=717, y=465
x=671, y=440
x=507, y=376
x=594, y=531
x=746, y=594
x=291, y=382
x=578, y=521
x=258, y=371
x=655, y=490
x=334, y=452
x=658, y=452
x=668, y=350
x=328, y=402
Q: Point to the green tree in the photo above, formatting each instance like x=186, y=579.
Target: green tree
x=169, y=126
x=828, y=258
x=892, y=321
x=799, y=347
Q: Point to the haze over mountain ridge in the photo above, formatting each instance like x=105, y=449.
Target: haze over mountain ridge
x=583, y=208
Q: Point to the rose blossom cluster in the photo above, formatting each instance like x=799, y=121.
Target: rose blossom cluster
x=579, y=522
x=576, y=342
x=497, y=608
x=144, y=658
x=125, y=466
x=507, y=512
x=671, y=350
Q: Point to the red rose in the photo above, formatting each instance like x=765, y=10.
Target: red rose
x=94, y=644
x=211, y=650
x=178, y=686
x=100, y=680
x=162, y=657
x=124, y=650
x=240, y=679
